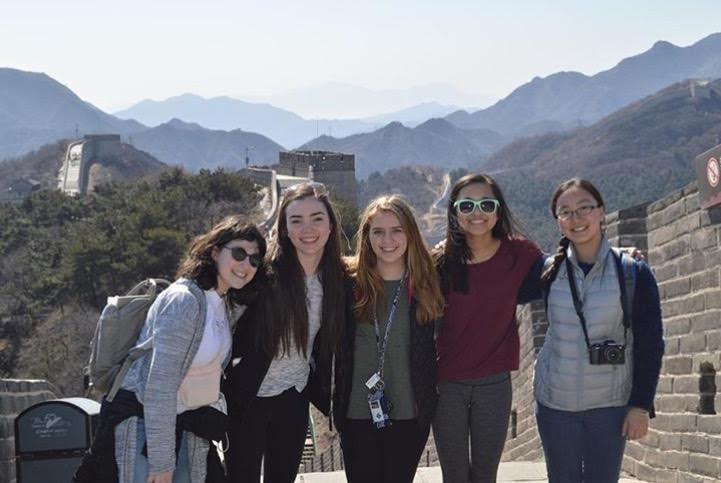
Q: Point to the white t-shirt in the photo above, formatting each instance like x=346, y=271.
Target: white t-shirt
x=217, y=339
x=291, y=369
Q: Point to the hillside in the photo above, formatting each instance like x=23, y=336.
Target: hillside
x=565, y=99
x=62, y=256
x=43, y=165
x=664, y=131
x=195, y=147
x=36, y=109
x=434, y=143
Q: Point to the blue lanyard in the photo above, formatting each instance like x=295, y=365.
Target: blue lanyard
x=381, y=345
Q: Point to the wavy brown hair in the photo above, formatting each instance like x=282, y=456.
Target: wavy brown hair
x=423, y=280
x=200, y=266
x=452, y=260
x=286, y=318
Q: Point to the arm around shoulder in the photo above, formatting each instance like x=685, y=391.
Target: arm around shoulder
x=648, y=344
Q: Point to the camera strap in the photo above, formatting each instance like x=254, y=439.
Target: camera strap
x=382, y=344
x=578, y=304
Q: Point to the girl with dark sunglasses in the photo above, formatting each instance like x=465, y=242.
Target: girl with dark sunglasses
x=176, y=384
x=483, y=266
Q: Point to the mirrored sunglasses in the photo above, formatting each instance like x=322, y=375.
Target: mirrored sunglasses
x=485, y=205
x=239, y=254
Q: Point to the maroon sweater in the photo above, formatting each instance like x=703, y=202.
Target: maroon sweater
x=479, y=335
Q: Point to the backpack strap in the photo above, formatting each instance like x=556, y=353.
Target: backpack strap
x=626, y=267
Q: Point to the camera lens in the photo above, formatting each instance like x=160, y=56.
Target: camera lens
x=613, y=354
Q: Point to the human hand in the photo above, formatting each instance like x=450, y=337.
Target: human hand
x=635, y=426
x=166, y=477
x=634, y=253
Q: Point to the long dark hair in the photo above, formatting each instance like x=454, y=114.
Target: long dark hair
x=200, y=266
x=451, y=262
x=549, y=274
x=286, y=313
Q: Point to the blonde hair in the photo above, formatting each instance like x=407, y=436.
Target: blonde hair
x=423, y=280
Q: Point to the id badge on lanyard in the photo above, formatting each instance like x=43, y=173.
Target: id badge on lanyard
x=378, y=403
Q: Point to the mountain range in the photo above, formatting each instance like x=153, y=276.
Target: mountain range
x=569, y=99
x=36, y=110
x=436, y=142
x=286, y=127
x=193, y=146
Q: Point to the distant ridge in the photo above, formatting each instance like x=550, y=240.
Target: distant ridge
x=195, y=147
x=567, y=99
x=642, y=151
x=436, y=142
x=36, y=109
x=288, y=128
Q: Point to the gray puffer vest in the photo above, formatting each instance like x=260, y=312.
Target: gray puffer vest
x=564, y=379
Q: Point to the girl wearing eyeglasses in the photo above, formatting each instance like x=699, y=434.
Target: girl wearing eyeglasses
x=287, y=338
x=170, y=405
x=483, y=266
x=596, y=375
x=386, y=372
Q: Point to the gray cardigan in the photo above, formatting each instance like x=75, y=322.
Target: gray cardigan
x=172, y=332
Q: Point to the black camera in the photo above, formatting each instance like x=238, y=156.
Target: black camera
x=607, y=352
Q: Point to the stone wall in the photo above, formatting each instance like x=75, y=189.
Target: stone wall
x=684, y=443
x=15, y=396
x=683, y=245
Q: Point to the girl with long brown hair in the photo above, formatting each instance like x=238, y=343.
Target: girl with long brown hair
x=386, y=373
x=294, y=325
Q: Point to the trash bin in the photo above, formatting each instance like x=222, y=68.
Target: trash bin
x=51, y=438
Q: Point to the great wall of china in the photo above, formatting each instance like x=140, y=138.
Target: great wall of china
x=683, y=246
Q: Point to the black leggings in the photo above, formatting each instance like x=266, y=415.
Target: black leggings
x=388, y=455
x=273, y=431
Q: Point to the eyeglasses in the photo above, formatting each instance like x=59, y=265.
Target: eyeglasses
x=239, y=254
x=585, y=210
x=485, y=205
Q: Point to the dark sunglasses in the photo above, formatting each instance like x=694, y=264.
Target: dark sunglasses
x=485, y=205
x=239, y=254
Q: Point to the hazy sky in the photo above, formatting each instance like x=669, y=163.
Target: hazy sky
x=114, y=54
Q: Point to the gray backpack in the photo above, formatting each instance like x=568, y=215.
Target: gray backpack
x=117, y=330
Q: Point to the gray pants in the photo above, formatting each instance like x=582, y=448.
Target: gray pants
x=477, y=411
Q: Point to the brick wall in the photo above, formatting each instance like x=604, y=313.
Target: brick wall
x=684, y=444
x=15, y=396
x=683, y=245
x=522, y=441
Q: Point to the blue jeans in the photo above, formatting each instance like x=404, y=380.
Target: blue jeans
x=584, y=446
x=182, y=465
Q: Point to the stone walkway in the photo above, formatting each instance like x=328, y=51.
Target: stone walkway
x=521, y=471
